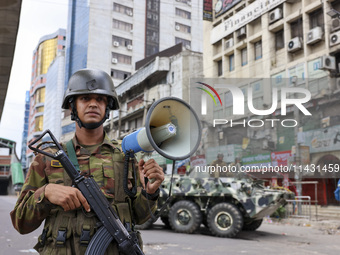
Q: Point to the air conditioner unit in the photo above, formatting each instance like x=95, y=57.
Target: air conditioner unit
x=335, y=26
x=114, y=61
x=314, y=35
x=334, y=38
x=129, y=47
x=177, y=27
x=241, y=32
x=116, y=44
x=328, y=63
x=130, y=13
x=275, y=15
x=229, y=43
x=294, y=44
x=188, y=47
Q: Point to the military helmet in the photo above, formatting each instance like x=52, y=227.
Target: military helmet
x=91, y=81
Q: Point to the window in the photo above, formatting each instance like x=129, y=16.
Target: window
x=183, y=14
x=40, y=95
x=244, y=57
x=279, y=40
x=231, y=62
x=122, y=9
x=122, y=25
x=316, y=19
x=258, y=50
x=182, y=28
x=183, y=41
x=122, y=41
x=39, y=123
x=123, y=59
x=120, y=75
x=219, y=68
x=296, y=28
x=40, y=109
x=152, y=19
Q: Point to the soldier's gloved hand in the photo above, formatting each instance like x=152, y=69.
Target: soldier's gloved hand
x=67, y=197
x=151, y=170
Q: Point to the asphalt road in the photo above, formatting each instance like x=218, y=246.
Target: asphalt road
x=268, y=239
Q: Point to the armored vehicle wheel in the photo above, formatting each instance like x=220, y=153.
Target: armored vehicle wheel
x=225, y=220
x=185, y=217
x=165, y=220
x=146, y=225
x=252, y=225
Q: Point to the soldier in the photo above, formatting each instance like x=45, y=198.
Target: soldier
x=219, y=167
x=47, y=193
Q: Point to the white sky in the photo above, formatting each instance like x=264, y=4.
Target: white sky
x=37, y=19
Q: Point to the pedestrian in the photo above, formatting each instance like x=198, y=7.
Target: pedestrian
x=48, y=195
x=219, y=168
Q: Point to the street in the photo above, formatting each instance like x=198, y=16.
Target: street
x=268, y=239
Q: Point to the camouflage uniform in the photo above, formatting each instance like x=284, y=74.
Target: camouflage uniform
x=105, y=164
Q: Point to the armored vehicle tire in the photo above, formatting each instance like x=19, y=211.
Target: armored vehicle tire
x=185, y=217
x=225, y=220
x=252, y=225
x=146, y=225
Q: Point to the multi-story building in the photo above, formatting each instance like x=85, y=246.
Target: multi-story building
x=47, y=85
x=112, y=35
x=280, y=44
x=164, y=74
x=25, y=132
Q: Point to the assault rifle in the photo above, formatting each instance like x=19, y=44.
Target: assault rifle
x=112, y=227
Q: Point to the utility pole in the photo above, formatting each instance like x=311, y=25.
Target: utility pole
x=298, y=173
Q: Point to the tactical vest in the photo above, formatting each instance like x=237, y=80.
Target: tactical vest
x=69, y=233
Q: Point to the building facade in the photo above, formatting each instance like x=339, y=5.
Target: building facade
x=47, y=84
x=113, y=35
x=282, y=46
x=25, y=132
x=167, y=73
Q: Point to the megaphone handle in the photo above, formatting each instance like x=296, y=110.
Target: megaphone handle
x=146, y=157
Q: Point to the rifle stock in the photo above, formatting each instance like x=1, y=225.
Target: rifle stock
x=112, y=228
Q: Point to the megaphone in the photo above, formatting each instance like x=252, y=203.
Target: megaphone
x=172, y=128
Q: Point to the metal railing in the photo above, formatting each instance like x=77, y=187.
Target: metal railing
x=303, y=202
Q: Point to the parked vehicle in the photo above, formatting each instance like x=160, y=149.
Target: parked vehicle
x=225, y=206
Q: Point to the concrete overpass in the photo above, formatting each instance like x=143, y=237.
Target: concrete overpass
x=9, y=24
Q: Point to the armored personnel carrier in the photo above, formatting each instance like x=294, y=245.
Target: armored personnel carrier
x=225, y=206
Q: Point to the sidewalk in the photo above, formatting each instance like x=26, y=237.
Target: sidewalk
x=327, y=226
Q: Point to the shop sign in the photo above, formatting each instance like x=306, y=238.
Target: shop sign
x=222, y=6
x=323, y=140
x=242, y=18
x=280, y=158
x=259, y=160
x=207, y=10
x=198, y=161
x=314, y=71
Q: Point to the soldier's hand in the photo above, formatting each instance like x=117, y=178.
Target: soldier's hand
x=67, y=197
x=151, y=170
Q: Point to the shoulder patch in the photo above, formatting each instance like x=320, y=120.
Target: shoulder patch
x=56, y=163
